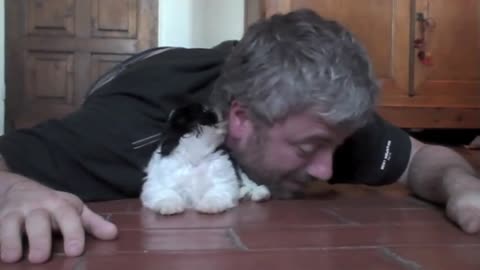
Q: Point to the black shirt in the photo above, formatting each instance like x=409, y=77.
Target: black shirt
x=100, y=151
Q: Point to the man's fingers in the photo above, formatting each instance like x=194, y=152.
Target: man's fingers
x=466, y=214
x=69, y=223
x=98, y=226
x=11, y=238
x=39, y=233
x=469, y=223
x=471, y=227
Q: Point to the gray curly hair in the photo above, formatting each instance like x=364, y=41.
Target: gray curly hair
x=299, y=62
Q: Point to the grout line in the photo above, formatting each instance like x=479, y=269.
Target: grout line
x=236, y=239
x=411, y=265
x=296, y=227
x=360, y=247
x=340, y=217
x=80, y=264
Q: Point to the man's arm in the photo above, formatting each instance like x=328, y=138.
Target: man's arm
x=440, y=175
x=30, y=208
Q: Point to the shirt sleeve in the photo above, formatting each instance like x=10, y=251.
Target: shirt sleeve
x=376, y=154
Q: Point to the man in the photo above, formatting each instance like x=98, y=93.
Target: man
x=298, y=92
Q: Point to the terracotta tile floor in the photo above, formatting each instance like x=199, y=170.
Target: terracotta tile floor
x=343, y=227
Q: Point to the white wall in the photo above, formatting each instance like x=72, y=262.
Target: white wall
x=199, y=23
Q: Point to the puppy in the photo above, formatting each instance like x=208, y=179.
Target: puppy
x=192, y=169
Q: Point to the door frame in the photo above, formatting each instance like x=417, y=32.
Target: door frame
x=254, y=10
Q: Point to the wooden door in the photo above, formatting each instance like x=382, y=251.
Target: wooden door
x=445, y=94
x=450, y=87
x=454, y=42
x=382, y=26
x=57, y=48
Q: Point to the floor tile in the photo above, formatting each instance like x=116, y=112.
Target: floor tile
x=139, y=241
x=353, y=236
x=391, y=216
x=57, y=263
x=266, y=214
x=441, y=258
x=117, y=206
x=342, y=260
x=147, y=219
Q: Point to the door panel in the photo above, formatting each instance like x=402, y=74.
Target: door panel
x=53, y=17
x=114, y=18
x=49, y=77
x=57, y=48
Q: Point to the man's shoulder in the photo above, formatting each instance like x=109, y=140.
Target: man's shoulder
x=164, y=71
x=220, y=51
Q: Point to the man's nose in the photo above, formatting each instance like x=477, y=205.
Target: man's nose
x=320, y=166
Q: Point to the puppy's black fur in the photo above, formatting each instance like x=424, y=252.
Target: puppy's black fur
x=185, y=120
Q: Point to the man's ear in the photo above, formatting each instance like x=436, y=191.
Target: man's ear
x=240, y=124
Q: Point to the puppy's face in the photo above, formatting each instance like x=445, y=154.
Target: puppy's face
x=203, y=142
x=212, y=136
x=189, y=120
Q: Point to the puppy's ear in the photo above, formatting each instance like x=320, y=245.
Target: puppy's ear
x=168, y=145
x=181, y=121
x=208, y=118
x=184, y=119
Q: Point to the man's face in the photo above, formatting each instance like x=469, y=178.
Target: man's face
x=286, y=156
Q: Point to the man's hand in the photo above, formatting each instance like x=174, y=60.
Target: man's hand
x=440, y=175
x=464, y=209
x=35, y=210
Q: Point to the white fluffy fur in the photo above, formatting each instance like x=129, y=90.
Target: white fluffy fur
x=196, y=176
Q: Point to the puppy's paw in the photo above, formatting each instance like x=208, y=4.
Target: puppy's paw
x=168, y=203
x=244, y=192
x=213, y=203
x=259, y=193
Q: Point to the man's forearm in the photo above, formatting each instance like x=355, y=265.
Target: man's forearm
x=437, y=173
